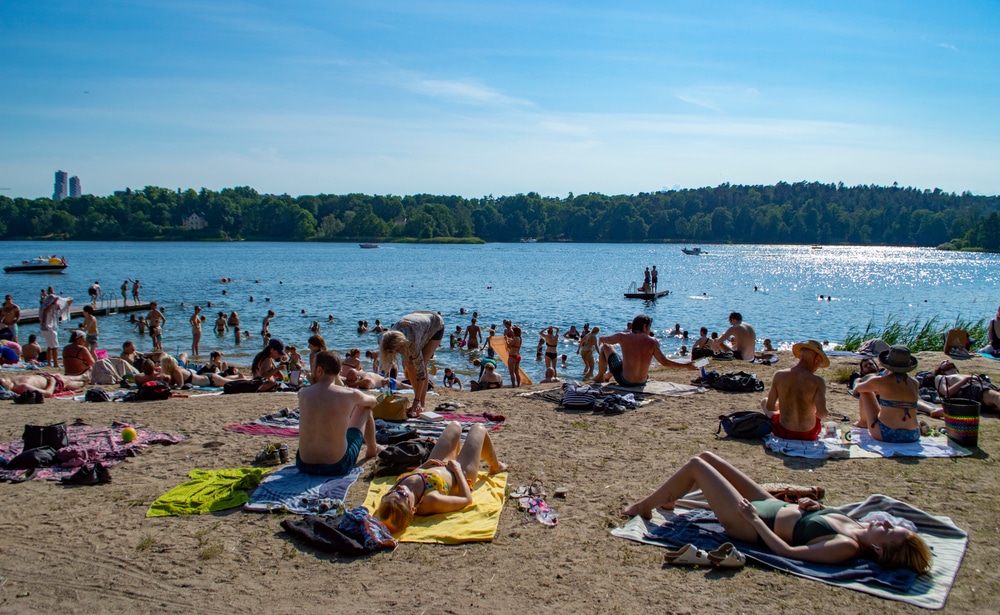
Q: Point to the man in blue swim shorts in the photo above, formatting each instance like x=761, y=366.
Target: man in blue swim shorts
x=631, y=369
x=334, y=421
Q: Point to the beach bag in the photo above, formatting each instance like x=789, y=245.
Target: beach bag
x=738, y=382
x=241, y=386
x=153, y=390
x=395, y=459
x=391, y=408
x=745, y=424
x=579, y=396
x=702, y=353
x=31, y=458
x=53, y=436
x=97, y=395
x=30, y=397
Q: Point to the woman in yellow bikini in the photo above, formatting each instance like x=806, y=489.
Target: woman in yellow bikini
x=442, y=484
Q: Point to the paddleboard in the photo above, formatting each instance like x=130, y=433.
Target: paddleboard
x=500, y=348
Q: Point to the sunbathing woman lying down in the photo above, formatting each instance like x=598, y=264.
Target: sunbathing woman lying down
x=442, y=484
x=804, y=531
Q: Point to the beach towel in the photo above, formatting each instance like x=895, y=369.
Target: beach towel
x=863, y=446
x=100, y=444
x=929, y=591
x=207, y=491
x=290, y=490
x=656, y=387
x=285, y=424
x=475, y=523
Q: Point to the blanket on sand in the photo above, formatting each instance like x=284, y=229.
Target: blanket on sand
x=929, y=591
x=285, y=424
x=656, y=387
x=103, y=444
x=289, y=490
x=863, y=446
x=207, y=491
x=475, y=523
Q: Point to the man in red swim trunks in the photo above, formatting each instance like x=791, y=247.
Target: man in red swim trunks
x=796, y=402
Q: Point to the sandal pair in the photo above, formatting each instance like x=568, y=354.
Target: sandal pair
x=726, y=556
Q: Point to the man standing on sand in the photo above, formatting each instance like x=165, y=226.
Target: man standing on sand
x=473, y=336
x=156, y=320
x=334, y=421
x=744, y=342
x=631, y=369
x=796, y=402
x=10, y=315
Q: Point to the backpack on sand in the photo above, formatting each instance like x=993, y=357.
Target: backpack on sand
x=738, y=382
x=745, y=424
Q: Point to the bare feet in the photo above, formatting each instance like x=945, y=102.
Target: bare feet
x=637, y=509
x=501, y=467
x=369, y=453
x=860, y=424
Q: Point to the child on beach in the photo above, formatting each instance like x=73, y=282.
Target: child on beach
x=450, y=379
x=90, y=326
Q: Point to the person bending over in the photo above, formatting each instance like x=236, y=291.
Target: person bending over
x=796, y=402
x=415, y=336
x=631, y=369
x=334, y=421
x=888, y=403
x=442, y=484
x=804, y=531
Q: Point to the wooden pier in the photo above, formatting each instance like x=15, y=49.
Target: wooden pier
x=101, y=308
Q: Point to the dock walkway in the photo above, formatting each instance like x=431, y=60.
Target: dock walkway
x=101, y=308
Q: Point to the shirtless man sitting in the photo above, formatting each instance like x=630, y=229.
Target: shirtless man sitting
x=796, y=402
x=631, y=369
x=333, y=422
x=46, y=384
x=744, y=338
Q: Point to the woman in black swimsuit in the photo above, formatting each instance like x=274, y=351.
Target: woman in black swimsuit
x=551, y=337
x=177, y=376
x=802, y=531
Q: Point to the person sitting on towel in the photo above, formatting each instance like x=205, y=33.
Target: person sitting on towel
x=804, y=531
x=888, y=402
x=631, y=369
x=444, y=482
x=796, y=402
x=334, y=421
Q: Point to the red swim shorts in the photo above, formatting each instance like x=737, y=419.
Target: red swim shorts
x=778, y=430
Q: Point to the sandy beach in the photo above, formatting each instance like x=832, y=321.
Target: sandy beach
x=92, y=550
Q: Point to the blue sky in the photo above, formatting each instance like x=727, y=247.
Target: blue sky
x=475, y=98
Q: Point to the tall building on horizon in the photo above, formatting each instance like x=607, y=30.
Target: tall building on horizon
x=59, y=193
x=74, y=186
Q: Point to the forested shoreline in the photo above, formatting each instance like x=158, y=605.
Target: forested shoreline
x=800, y=213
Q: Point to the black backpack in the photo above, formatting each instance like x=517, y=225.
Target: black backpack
x=153, y=390
x=745, y=424
x=30, y=397
x=738, y=382
x=97, y=395
x=241, y=386
x=53, y=436
x=398, y=458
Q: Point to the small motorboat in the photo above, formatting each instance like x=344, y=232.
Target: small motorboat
x=368, y=246
x=39, y=264
x=693, y=251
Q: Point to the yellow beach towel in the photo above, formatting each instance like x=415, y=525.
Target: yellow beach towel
x=475, y=523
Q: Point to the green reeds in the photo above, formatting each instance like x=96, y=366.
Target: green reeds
x=918, y=335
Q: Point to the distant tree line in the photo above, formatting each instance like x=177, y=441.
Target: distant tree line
x=800, y=213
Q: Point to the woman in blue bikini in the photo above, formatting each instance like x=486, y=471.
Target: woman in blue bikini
x=888, y=403
x=804, y=531
x=442, y=484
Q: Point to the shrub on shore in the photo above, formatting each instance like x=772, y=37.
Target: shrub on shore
x=918, y=335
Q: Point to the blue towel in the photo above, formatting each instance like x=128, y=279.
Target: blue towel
x=300, y=493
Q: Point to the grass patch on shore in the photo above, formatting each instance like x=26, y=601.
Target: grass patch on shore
x=918, y=335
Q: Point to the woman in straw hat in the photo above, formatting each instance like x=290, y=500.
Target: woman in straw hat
x=888, y=403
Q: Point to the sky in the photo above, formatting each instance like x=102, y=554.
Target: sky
x=474, y=98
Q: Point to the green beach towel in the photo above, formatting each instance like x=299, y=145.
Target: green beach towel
x=208, y=491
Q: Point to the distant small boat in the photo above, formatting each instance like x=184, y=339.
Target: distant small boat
x=368, y=246
x=529, y=240
x=693, y=251
x=39, y=264
x=816, y=248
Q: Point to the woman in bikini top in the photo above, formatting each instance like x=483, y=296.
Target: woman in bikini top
x=888, y=403
x=442, y=484
x=178, y=376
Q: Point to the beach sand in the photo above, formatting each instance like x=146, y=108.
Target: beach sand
x=92, y=550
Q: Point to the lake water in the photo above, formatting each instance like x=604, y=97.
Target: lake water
x=535, y=285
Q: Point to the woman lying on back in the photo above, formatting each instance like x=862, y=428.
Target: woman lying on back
x=177, y=376
x=804, y=531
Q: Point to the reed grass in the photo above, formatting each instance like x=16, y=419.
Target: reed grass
x=918, y=335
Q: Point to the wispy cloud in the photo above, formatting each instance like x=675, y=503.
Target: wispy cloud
x=948, y=46
x=465, y=92
x=700, y=102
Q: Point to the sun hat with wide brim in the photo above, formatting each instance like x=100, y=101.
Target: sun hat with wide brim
x=815, y=347
x=898, y=359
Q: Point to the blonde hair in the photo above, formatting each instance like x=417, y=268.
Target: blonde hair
x=913, y=554
x=167, y=365
x=396, y=514
x=392, y=344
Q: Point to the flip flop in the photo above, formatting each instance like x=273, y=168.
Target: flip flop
x=688, y=555
x=727, y=556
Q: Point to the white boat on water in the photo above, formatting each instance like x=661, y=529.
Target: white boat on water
x=39, y=264
x=529, y=240
x=693, y=251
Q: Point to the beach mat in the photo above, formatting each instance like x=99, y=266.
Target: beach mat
x=285, y=424
x=930, y=591
x=207, y=491
x=103, y=444
x=475, y=523
x=864, y=446
x=656, y=387
x=290, y=490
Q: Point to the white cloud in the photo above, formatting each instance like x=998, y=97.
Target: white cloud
x=464, y=92
x=947, y=46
